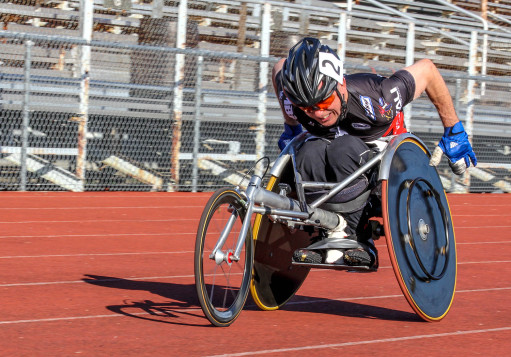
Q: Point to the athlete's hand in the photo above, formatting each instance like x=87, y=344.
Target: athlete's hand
x=455, y=145
x=290, y=131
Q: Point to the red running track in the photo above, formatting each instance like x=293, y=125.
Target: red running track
x=111, y=274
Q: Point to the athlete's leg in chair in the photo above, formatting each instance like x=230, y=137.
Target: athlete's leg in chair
x=332, y=161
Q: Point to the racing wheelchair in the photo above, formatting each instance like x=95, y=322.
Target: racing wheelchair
x=246, y=237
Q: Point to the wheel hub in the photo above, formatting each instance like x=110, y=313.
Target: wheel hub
x=423, y=229
x=221, y=257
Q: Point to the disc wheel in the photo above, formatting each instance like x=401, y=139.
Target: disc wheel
x=419, y=232
x=222, y=282
x=275, y=280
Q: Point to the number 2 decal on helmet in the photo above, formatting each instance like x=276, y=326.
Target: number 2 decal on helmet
x=331, y=66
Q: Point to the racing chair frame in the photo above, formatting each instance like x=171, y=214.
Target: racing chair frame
x=420, y=242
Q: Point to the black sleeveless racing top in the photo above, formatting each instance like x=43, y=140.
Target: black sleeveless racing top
x=373, y=104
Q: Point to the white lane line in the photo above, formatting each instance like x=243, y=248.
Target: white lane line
x=191, y=309
x=105, y=220
x=159, y=195
x=97, y=235
x=186, y=219
x=73, y=318
x=385, y=296
x=392, y=296
x=92, y=281
x=95, y=208
x=51, y=319
x=479, y=227
x=469, y=205
x=91, y=254
x=183, y=276
x=482, y=290
x=185, y=252
x=164, y=234
x=474, y=243
x=492, y=262
x=366, y=342
x=160, y=207
x=478, y=215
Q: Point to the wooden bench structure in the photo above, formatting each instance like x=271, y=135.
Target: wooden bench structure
x=375, y=39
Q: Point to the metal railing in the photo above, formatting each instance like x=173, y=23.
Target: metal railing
x=202, y=117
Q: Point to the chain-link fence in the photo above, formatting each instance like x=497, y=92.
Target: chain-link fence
x=167, y=97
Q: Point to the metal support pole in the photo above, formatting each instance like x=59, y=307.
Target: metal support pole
x=263, y=81
x=341, y=36
x=242, y=35
x=196, y=131
x=485, y=36
x=86, y=12
x=410, y=44
x=469, y=118
x=157, y=11
x=472, y=71
x=256, y=12
x=484, y=66
x=26, y=115
x=304, y=18
x=410, y=55
x=179, y=75
x=457, y=95
x=349, y=7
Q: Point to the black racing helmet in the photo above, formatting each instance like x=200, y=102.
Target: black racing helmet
x=301, y=79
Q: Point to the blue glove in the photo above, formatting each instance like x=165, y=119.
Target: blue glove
x=455, y=145
x=290, y=131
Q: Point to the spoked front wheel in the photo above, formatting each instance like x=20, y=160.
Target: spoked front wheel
x=222, y=280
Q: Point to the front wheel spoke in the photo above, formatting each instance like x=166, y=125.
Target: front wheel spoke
x=227, y=277
x=212, y=286
x=239, y=267
x=227, y=288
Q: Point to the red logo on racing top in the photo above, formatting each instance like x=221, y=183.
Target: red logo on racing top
x=385, y=109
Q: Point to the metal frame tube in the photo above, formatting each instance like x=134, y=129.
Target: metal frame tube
x=253, y=186
x=274, y=204
x=243, y=232
x=225, y=233
x=281, y=212
x=348, y=180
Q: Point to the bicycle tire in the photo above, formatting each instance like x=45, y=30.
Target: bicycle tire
x=222, y=287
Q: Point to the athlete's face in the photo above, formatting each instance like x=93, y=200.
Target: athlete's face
x=325, y=112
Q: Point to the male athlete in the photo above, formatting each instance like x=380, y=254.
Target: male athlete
x=343, y=113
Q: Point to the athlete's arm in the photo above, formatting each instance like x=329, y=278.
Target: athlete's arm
x=428, y=79
x=276, y=69
x=454, y=142
x=291, y=127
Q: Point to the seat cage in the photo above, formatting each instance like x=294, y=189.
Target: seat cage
x=283, y=208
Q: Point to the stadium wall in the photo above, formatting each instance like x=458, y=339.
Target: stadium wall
x=168, y=95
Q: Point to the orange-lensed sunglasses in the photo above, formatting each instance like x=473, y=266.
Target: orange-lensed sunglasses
x=323, y=105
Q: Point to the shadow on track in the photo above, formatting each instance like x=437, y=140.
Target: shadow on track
x=348, y=309
x=184, y=303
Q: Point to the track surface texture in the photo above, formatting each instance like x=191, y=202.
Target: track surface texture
x=111, y=274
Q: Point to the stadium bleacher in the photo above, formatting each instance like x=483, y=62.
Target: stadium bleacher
x=376, y=37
